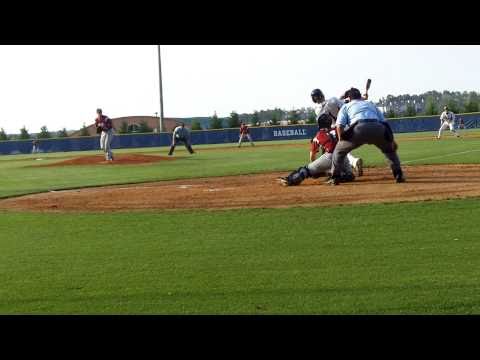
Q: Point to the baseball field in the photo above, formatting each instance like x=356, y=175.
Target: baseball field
x=214, y=233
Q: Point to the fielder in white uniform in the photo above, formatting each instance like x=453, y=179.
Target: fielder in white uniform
x=327, y=110
x=447, y=120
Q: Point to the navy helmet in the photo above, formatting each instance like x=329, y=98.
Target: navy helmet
x=317, y=93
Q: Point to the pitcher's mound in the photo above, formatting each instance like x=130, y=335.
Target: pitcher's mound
x=122, y=159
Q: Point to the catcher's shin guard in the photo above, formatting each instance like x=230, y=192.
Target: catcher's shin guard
x=346, y=177
x=296, y=177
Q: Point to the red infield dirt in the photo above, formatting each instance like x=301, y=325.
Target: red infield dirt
x=123, y=159
x=434, y=182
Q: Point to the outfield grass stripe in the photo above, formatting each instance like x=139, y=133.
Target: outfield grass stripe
x=441, y=156
x=386, y=259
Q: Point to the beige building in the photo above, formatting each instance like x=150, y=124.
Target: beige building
x=134, y=122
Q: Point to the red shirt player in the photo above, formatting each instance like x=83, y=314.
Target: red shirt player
x=244, y=132
x=323, y=139
x=104, y=126
x=102, y=122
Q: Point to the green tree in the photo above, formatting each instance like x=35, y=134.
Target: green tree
x=62, y=133
x=430, y=106
x=44, y=133
x=471, y=106
x=293, y=117
x=3, y=135
x=233, y=120
x=255, y=117
x=471, y=101
x=24, y=134
x=390, y=113
x=274, y=119
x=84, y=130
x=311, y=117
x=123, y=128
x=196, y=125
x=453, y=106
x=410, y=111
x=215, y=122
x=144, y=128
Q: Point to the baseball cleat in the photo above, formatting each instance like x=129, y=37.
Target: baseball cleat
x=283, y=181
x=333, y=181
x=359, y=167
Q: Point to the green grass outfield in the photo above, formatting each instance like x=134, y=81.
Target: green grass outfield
x=413, y=258
x=406, y=258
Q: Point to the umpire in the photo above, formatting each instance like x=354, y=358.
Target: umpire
x=360, y=122
x=181, y=134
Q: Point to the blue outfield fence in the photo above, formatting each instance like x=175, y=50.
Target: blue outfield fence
x=222, y=136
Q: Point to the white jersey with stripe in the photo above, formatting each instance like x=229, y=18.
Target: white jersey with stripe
x=447, y=116
x=329, y=107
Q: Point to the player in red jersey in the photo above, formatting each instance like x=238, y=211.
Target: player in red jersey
x=244, y=132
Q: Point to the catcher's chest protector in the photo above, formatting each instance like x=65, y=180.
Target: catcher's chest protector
x=326, y=140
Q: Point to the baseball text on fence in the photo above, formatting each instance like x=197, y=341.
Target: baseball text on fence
x=290, y=132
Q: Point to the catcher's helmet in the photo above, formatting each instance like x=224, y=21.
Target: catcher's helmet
x=317, y=93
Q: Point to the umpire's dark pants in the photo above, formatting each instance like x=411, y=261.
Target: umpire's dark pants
x=371, y=132
x=186, y=141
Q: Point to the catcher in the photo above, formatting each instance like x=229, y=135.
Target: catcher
x=105, y=129
x=327, y=141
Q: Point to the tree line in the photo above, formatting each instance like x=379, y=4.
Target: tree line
x=25, y=135
x=428, y=103
x=46, y=134
x=258, y=118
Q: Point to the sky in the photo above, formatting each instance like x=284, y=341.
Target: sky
x=62, y=86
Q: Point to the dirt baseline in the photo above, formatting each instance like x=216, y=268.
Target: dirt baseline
x=261, y=191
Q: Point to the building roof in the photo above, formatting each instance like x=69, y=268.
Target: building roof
x=152, y=122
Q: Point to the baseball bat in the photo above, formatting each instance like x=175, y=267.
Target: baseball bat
x=367, y=87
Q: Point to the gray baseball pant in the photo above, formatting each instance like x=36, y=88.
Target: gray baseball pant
x=105, y=143
x=323, y=165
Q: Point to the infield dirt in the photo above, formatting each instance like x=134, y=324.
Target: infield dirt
x=433, y=182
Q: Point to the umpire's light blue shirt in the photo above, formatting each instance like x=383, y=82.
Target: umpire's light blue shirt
x=356, y=110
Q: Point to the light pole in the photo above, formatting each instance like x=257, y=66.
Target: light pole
x=161, y=90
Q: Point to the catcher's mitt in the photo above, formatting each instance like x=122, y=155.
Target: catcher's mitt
x=99, y=130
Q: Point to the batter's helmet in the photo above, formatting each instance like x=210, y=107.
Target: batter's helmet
x=317, y=93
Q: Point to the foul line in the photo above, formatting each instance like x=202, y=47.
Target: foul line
x=440, y=156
